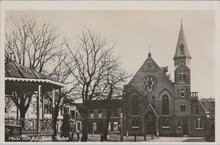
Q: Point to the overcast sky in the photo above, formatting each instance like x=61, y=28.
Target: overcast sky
x=133, y=31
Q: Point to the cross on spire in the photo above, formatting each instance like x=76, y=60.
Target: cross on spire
x=149, y=53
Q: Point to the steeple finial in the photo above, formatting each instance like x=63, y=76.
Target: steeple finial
x=149, y=53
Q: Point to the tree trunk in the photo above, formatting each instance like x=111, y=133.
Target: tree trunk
x=85, y=127
x=22, y=117
x=54, y=125
x=108, y=116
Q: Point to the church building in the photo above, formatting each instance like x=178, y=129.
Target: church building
x=152, y=102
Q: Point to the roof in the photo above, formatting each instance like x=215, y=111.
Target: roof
x=18, y=72
x=151, y=108
x=96, y=104
x=209, y=104
x=181, y=47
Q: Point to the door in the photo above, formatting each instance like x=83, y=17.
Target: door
x=185, y=127
x=150, y=123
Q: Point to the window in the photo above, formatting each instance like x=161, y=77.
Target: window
x=182, y=92
x=135, y=105
x=109, y=126
x=72, y=114
x=165, y=105
x=166, y=123
x=91, y=114
x=115, y=126
x=94, y=126
x=181, y=49
x=197, y=110
x=47, y=108
x=34, y=108
x=199, y=123
x=179, y=124
x=182, y=76
x=78, y=126
x=100, y=113
x=153, y=101
x=135, y=123
x=182, y=108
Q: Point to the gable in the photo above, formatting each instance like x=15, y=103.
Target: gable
x=149, y=67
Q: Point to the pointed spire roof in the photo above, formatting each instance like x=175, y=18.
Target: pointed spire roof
x=181, y=47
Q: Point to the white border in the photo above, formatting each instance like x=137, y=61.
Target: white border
x=114, y=5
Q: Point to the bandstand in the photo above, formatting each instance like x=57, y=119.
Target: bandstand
x=19, y=78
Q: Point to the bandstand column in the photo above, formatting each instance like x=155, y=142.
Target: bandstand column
x=38, y=111
x=53, y=99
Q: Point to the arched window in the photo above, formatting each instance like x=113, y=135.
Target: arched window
x=182, y=76
x=182, y=92
x=135, y=105
x=135, y=123
x=153, y=101
x=179, y=124
x=165, y=105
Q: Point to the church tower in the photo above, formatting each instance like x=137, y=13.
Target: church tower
x=182, y=67
x=182, y=85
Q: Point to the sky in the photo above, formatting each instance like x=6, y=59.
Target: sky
x=133, y=31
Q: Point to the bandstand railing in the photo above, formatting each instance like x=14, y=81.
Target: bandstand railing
x=12, y=122
x=29, y=124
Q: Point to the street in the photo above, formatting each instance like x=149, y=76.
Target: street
x=116, y=138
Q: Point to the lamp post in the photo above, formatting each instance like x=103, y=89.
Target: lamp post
x=121, y=124
x=207, y=126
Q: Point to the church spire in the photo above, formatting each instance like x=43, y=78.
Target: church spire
x=181, y=47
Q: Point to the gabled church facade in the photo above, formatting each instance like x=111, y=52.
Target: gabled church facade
x=153, y=103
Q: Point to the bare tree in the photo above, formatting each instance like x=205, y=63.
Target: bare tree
x=116, y=78
x=91, y=63
x=32, y=45
x=61, y=73
x=37, y=47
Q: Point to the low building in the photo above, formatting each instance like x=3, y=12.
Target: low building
x=97, y=116
x=209, y=104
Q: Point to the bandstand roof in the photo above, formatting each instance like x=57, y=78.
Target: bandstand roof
x=21, y=75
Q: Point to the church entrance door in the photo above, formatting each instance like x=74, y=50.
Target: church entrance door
x=150, y=123
x=185, y=127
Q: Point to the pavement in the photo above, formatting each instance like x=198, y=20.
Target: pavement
x=116, y=138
